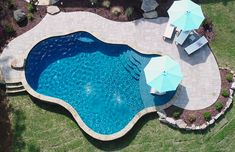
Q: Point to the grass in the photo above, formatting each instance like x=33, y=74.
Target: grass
x=222, y=13
x=39, y=126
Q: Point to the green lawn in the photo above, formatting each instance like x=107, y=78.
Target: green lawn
x=39, y=126
x=45, y=127
x=223, y=16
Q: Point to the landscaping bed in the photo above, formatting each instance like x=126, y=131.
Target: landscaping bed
x=10, y=28
x=197, y=117
x=123, y=10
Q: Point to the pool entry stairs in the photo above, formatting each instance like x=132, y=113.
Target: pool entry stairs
x=131, y=64
x=14, y=87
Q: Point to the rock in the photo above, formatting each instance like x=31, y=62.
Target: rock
x=203, y=126
x=211, y=121
x=197, y=128
x=231, y=93
x=53, y=10
x=149, y=5
x=19, y=15
x=150, y=15
x=233, y=86
x=217, y=116
x=180, y=123
x=161, y=114
x=163, y=120
x=171, y=120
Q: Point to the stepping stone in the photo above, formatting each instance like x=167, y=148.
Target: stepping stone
x=149, y=5
x=150, y=15
x=53, y=10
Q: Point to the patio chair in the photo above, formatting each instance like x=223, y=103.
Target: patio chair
x=168, y=31
x=182, y=37
x=196, y=45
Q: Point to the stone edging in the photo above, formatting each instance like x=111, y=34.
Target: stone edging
x=180, y=123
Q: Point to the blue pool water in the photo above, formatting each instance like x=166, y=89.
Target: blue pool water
x=99, y=80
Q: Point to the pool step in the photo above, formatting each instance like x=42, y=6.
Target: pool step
x=129, y=66
x=134, y=68
x=133, y=74
x=15, y=87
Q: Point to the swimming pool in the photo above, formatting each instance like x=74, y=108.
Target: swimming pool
x=100, y=81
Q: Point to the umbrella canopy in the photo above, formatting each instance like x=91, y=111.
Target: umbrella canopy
x=186, y=15
x=163, y=74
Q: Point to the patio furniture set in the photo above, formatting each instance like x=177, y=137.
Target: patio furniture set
x=184, y=17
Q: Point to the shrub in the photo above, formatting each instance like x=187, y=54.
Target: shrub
x=93, y=2
x=207, y=116
x=30, y=16
x=218, y=106
x=191, y=118
x=129, y=12
x=207, y=24
x=10, y=4
x=106, y=3
x=229, y=77
x=30, y=8
x=176, y=114
x=116, y=10
x=225, y=93
x=9, y=30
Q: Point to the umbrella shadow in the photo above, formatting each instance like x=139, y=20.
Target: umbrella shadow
x=182, y=98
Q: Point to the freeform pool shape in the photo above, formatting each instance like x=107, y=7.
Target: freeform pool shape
x=99, y=80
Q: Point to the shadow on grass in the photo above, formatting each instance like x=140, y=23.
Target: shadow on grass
x=18, y=130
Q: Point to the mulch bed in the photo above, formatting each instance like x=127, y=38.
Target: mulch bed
x=5, y=125
x=199, y=113
x=6, y=18
x=85, y=5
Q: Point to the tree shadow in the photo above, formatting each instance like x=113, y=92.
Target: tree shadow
x=5, y=124
x=18, y=130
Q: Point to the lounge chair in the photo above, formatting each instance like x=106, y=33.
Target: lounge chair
x=182, y=37
x=196, y=45
x=168, y=31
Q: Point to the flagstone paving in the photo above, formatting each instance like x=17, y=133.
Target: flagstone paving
x=201, y=83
